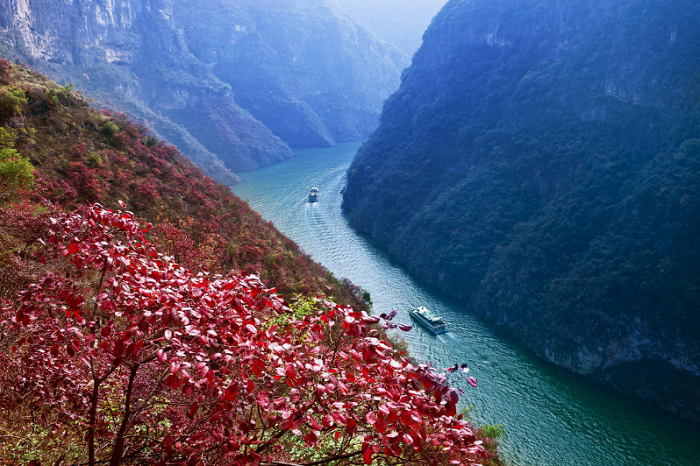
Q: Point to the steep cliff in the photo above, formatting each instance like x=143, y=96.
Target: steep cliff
x=309, y=73
x=231, y=86
x=541, y=162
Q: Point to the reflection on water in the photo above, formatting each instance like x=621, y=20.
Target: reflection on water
x=552, y=418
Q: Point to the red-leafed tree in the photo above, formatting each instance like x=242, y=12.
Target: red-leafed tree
x=154, y=364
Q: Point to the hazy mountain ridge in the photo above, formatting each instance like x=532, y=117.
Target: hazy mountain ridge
x=541, y=161
x=201, y=74
x=400, y=22
x=311, y=74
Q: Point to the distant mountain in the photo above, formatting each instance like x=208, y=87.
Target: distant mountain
x=541, y=162
x=400, y=22
x=233, y=84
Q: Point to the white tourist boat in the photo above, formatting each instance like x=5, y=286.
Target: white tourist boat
x=429, y=320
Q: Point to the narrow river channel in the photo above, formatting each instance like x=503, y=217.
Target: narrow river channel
x=552, y=418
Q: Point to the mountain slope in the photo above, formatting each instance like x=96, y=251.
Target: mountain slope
x=310, y=74
x=82, y=156
x=540, y=161
x=230, y=85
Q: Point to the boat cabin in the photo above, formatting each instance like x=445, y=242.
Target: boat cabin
x=429, y=319
x=313, y=195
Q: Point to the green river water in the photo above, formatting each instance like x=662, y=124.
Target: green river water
x=551, y=417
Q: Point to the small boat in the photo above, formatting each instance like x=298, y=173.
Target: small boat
x=429, y=320
x=313, y=195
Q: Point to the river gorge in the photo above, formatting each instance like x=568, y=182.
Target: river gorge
x=551, y=417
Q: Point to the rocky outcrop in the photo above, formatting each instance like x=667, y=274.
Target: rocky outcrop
x=231, y=86
x=541, y=162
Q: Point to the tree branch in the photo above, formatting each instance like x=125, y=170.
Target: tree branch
x=119, y=441
x=156, y=387
x=99, y=288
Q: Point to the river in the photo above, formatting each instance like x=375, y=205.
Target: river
x=551, y=417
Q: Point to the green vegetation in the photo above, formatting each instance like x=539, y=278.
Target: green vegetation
x=11, y=102
x=300, y=308
x=540, y=161
x=53, y=96
x=496, y=432
x=492, y=433
x=93, y=159
x=16, y=172
x=366, y=297
x=110, y=129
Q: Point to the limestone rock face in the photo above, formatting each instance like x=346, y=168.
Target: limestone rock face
x=233, y=84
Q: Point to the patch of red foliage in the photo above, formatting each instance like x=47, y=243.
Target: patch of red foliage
x=208, y=369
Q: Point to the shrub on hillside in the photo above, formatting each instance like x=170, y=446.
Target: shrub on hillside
x=5, y=71
x=133, y=359
x=11, y=102
x=16, y=172
x=110, y=129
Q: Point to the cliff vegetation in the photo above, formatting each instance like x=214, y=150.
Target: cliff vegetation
x=541, y=161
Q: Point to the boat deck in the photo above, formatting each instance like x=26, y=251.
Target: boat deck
x=429, y=320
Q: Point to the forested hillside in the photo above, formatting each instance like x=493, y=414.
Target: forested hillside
x=82, y=156
x=541, y=161
x=135, y=343
x=233, y=84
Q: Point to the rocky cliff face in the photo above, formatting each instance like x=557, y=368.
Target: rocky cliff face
x=306, y=71
x=230, y=86
x=540, y=161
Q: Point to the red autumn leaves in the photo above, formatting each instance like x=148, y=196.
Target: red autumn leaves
x=212, y=369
